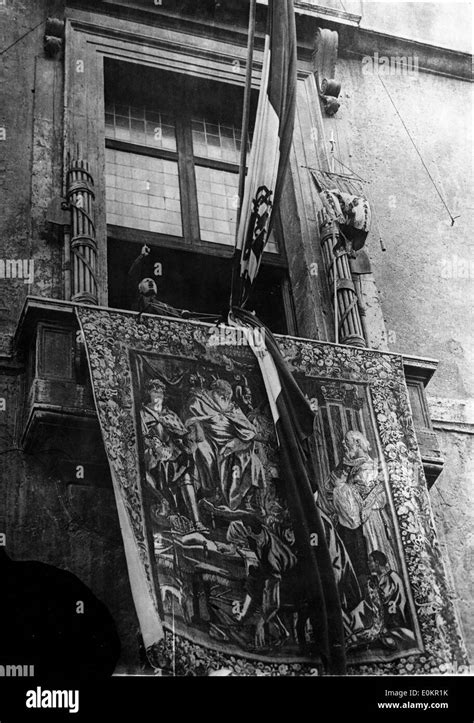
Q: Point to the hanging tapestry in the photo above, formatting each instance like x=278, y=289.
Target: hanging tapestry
x=213, y=557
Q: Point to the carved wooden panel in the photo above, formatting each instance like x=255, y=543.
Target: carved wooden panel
x=54, y=353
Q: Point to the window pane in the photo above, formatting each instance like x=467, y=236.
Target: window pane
x=137, y=131
x=122, y=128
x=109, y=125
x=415, y=393
x=140, y=125
x=143, y=193
x=217, y=193
x=217, y=201
x=216, y=140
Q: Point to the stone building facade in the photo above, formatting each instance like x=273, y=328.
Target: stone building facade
x=105, y=101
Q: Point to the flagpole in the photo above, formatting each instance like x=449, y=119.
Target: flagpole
x=246, y=108
x=334, y=263
x=245, y=130
x=334, y=277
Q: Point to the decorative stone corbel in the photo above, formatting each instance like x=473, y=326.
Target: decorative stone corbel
x=324, y=60
x=53, y=37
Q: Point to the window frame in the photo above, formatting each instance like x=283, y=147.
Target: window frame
x=91, y=38
x=191, y=237
x=187, y=161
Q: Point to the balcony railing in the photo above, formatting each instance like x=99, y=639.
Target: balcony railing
x=58, y=406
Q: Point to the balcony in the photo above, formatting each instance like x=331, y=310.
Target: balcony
x=58, y=413
x=58, y=416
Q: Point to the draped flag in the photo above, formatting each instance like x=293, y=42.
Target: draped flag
x=294, y=425
x=344, y=201
x=270, y=148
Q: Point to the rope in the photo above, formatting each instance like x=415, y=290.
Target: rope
x=348, y=168
x=84, y=214
x=78, y=255
x=21, y=37
x=453, y=218
x=347, y=312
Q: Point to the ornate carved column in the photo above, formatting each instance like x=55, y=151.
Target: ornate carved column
x=343, y=293
x=83, y=244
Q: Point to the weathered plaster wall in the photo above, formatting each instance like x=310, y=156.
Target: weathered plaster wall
x=73, y=527
x=70, y=526
x=444, y=23
x=31, y=91
x=452, y=498
x=426, y=275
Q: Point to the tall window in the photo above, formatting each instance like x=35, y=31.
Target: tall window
x=142, y=190
x=172, y=167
